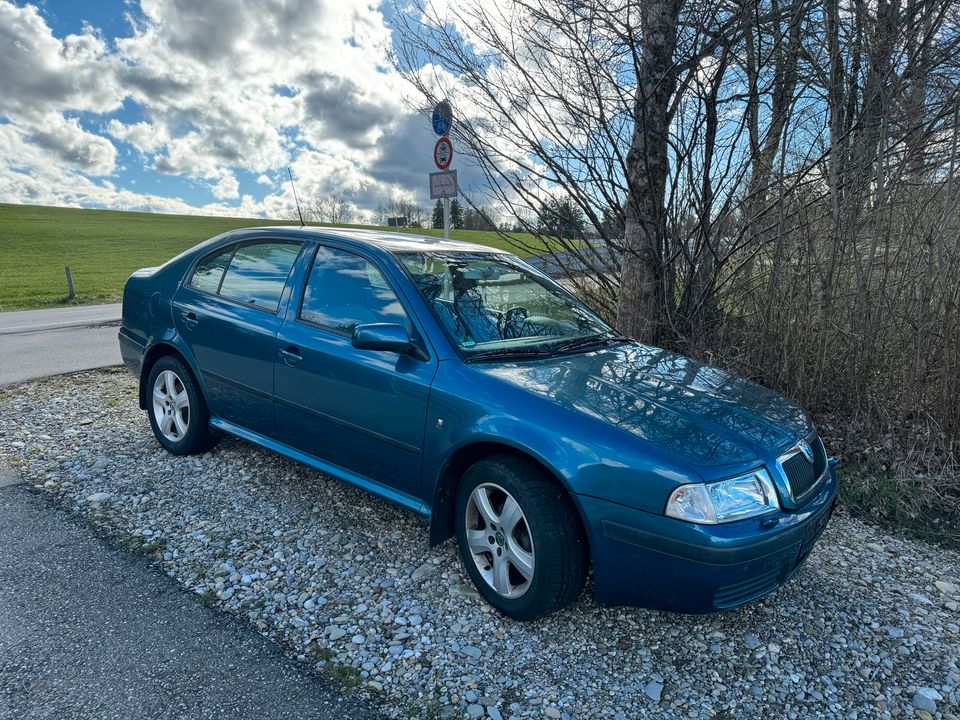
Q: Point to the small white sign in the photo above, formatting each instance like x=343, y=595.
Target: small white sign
x=443, y=184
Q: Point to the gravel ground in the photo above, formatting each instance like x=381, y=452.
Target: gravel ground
x=348, y=584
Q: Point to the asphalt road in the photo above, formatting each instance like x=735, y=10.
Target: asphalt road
x=39, y=343
x=76, y=315
x=88, y=630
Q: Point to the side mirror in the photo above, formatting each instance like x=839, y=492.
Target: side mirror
x=390, y=337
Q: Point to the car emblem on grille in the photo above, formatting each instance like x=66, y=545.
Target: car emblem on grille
x=806, y=450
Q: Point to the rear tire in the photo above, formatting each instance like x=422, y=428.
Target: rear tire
x=520, y=537
x=176, y=408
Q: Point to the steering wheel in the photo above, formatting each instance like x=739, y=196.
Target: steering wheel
x=511, y=322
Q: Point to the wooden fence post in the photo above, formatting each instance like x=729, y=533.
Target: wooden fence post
x=71, y=292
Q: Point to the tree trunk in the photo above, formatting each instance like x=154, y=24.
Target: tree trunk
x=643, y=287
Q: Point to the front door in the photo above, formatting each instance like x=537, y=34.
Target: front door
x=362, y=410
x=228, y=313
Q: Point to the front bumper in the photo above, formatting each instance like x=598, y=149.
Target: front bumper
x=659, y=562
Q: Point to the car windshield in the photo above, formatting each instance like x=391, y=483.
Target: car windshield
x=495, y=307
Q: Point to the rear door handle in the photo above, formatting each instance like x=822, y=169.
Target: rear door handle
x=190, y=319
x=291, y=355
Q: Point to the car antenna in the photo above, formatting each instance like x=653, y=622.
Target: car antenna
x=295, y=198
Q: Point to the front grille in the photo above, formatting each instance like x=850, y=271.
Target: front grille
x=801, y=474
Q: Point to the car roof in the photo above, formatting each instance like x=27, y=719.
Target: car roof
x=390, y=241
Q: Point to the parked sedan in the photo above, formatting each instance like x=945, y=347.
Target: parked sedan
x=461, y=383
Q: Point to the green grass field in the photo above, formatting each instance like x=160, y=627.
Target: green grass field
x=102, y=248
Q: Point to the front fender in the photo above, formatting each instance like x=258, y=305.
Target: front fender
x=472, y=415
x=481, y=441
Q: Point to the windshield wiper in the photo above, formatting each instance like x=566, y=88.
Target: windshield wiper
x=511, y=354
x=559, y=348
x=588, y=341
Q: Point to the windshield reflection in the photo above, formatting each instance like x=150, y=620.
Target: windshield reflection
x=491, y=306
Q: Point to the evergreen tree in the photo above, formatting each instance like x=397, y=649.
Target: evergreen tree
x=561, y=218
x=438, y=215
x=456, y=215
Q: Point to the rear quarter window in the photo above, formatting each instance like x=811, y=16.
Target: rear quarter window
x=209, y=271
x=258, y=272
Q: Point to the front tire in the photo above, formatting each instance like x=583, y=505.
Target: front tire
x=520, y=537
x=178, y=414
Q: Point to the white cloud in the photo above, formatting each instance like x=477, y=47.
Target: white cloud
x=71, y=145
x=219, y=86
x=142, y=135
x=42, y=74
x=31, y=179
x=226, y=187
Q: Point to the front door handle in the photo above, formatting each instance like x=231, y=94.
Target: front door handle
x=291, y=355
x=191, y=320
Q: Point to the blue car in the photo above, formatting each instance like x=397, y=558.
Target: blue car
x=461, y=383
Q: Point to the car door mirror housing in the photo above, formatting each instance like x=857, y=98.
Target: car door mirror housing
x=391, y=337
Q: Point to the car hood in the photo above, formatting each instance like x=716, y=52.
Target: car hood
x=698, y=414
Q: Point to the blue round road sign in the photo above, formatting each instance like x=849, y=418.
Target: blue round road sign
x=442, y=118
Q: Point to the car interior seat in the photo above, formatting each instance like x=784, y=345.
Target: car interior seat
x=481, y=322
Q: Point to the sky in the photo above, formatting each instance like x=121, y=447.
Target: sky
x=186, y=106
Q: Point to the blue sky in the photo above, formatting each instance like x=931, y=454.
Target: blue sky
x=184, y=106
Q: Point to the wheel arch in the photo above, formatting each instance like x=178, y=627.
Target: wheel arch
x=150, y=358
x=465, y=456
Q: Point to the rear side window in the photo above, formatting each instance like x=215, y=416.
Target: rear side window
x=258, y=272
x=344, y=290
x=209, y=271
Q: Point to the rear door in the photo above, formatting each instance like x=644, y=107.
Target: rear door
x=362, y=410
x=229, y=312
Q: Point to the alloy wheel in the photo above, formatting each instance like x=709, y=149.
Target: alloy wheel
x=171, y=406
x=500, y=540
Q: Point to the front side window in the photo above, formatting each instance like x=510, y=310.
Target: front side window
x=345, y=290
x=258, y=272
x=492, y=306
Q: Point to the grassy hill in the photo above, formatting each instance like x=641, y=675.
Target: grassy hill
x=102, y=248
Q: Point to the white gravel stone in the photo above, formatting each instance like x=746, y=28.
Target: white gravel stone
x=654, y=690
x=926, y=699
x=947, y=588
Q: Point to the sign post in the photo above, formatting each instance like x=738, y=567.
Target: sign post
x=443, y=185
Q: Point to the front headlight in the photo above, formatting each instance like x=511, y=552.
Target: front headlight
x=724, y=501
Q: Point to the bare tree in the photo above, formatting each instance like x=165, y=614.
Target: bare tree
x=402, y=210
x=772, y=184
x=331, y=209
x=644, y=290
